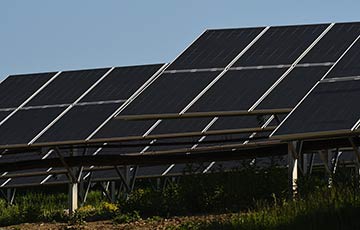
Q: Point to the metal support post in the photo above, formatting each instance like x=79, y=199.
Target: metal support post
x=73, y=197
x=112, y=191
x=293, y=158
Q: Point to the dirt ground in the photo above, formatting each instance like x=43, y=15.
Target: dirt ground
x=153, y=224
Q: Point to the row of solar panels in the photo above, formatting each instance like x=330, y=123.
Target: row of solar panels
x=223, y=70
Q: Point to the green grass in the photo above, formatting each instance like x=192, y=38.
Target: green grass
x=335, y=208
x=259, y=199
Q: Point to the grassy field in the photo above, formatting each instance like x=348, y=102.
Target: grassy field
x=249, y=199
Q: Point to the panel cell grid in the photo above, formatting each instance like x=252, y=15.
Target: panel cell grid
x=333, y=44
x=121, y=83
x=26, y=124
x=293, y=87
x=349, y=65
x=15, y=89
x=170, y=93
x=78, y=123
x=331, y=106
x=67, y=87
x=215, y=48
x=281, y=45
x=237, y=90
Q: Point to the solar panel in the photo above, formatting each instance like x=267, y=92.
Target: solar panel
x=293, y=88
x=281, y=45
x=349, y=64
x=120, y=128
x=67, y=87
x=265, y=56
x=25, y=124
x=78, y=123
x=333, y=44
x=243, y=88
x=15, y=89
x=328, y=108
x=171, y=92
x=215, y=48
x=121, y=83
x=182, y=125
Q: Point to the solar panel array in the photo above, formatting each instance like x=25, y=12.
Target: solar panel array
x=222, y=70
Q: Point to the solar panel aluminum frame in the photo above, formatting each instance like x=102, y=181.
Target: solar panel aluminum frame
x=156, y=75
x=70, y=106
x=292, y=66
x=206, y=88
x=315, y=135
x=186, y=48
x=152, y=78
x=201, y=93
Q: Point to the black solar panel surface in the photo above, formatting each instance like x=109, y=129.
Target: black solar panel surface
x=215, y=48
x=67, y=87
x=293, y=87
x=15, y=89
x=78, y=123
x=24, y=125
x=237, y=90
x=281, y=45
x=331, y=106
x=349, y=65
x=120, y=128
x=333, y=44
x=170, y=93
x=4, y=114
x=121, y=83
x=181, y=125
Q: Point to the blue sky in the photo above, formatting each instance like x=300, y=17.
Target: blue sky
x=40, y=36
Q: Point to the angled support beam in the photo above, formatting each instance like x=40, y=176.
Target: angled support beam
x=133, y=177
x=311, y=163
x=105, y=188
x=124, y=177
x=70, y=174
x=10, y=195
x=335, y=161
x=86, y=192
